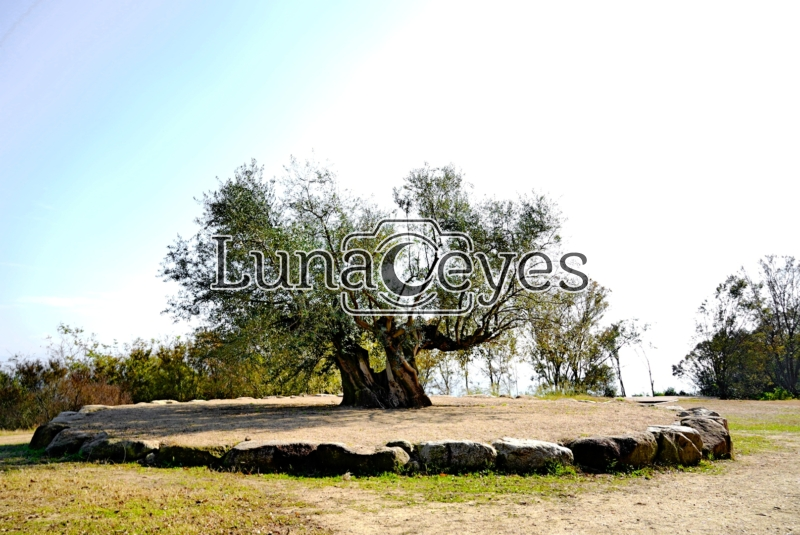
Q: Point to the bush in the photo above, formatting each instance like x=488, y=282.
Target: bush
x=33, y=392
x=670, y=392
x=779, y=394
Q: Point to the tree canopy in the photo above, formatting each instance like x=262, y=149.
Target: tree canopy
x=304, y=332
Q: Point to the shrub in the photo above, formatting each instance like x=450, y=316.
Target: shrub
x=779, y=394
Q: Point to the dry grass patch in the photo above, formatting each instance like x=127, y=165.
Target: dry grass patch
x=70, y=497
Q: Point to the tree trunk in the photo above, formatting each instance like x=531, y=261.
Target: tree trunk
x=618, y=367
x=361, y=386
x=405, y=391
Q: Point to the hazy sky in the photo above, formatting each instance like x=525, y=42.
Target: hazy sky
x=667, y=132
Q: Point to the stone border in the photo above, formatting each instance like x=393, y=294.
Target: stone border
x=699, y=433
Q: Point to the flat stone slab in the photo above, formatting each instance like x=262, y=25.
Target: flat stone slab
x=522, y=456
x=456, y=455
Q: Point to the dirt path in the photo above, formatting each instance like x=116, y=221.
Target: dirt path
x=754, y=494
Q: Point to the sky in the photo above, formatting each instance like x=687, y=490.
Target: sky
x=666, y=132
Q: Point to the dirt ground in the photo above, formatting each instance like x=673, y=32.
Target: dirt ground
x=318, y=419
x=757, y=492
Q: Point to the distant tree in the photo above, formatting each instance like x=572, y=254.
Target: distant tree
x=776, y=302
x=725, y=361
x=617, y=336
x=496, y=361
x=566, y=341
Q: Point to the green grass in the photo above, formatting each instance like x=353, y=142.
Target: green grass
x=487, y=487
x=754, y=435
x=764, y=427
x=38, y=496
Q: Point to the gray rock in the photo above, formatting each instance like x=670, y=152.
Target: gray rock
x=45, y=434
x=412, y=467
x=604, y=453
x=117, y=450
x=456, y=455
x=69, y=441
x=516, y=455
x=595, y=453
x=307, y=457
x=163, y=402
x=181, y=455
x=149, y=459
x=405, y=445
x=338, y=458
x=688, y=432
x=637, y=449
x=675, y=447
x=716, y=438
x=271, y=456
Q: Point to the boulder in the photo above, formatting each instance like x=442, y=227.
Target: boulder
x=688, y=432
x=674, y=447
x=70, y=441
x=307, y=457
x=603, y=453
x=271, y=456
x=338, y=458
x=637, y=449
x=405, y=445
x=117, y=450
x=181, y=455
x=516, y=455
x=45, y=434
x=163, y=402
x=715, y=436
x=456, y=455
x=595, y=453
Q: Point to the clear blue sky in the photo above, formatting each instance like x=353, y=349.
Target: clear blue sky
x=115, y=115
x=667, y=133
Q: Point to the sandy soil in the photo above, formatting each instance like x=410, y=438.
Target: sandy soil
x=319, y=419
x=753, y=494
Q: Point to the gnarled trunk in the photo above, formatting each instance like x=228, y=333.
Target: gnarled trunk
x=361, y=386
x=403, y=379
x=396, y=387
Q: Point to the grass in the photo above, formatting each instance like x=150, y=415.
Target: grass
x=69, y=497
x=488, y=487
x=752, y=435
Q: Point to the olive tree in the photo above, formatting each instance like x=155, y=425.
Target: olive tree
x=294, y=317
